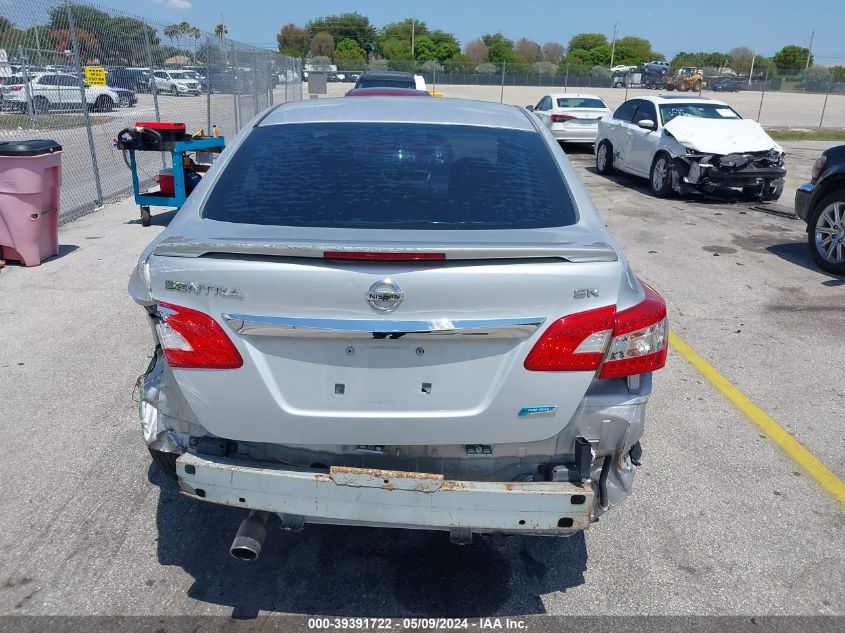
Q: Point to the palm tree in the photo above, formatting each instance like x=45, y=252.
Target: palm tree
x=221, y=31
x=195, y=33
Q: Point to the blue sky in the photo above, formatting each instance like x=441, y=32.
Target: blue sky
x=764, y=26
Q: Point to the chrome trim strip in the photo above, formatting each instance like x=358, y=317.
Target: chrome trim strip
x=250, y=325
x=188, y=247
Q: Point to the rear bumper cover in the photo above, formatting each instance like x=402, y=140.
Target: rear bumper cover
x=387, y=498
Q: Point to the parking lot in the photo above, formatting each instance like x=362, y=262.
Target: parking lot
x=722, y=521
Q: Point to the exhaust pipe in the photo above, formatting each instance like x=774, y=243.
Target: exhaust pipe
x=247, y=543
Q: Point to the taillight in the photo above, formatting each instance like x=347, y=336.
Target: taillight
x=17, y=88
x=192, y=339
x=621, y=343
x=639, y=339
x=574, y=343
x=560, y=118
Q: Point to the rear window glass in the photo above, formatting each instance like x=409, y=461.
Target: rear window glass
x=576, y=102
x=392, y=175
x=386, y=83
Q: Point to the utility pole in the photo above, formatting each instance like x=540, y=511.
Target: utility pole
x=810, y=49
x=613, y=44
x=413, y=28
x=751, y=72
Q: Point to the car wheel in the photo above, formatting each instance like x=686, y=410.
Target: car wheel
x=40, y=105
x=604, y=158
x=166, y=462
x=174, y=91
x=826, y=232
x=146, y=219
x=661, y=176
x=123, y=101
x=103, y=104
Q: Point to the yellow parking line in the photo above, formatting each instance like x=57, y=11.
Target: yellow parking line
x=792, y=447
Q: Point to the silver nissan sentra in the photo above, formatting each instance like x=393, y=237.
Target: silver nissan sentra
x=397, y=312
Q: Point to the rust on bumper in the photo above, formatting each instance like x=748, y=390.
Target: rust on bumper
x=367, y=496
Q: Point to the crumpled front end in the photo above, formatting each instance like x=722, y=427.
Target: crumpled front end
x=595, y=453
x=710, y=172
x=714, y=155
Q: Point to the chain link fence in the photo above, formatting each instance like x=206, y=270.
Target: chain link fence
x=79, y=74
x=812, y=98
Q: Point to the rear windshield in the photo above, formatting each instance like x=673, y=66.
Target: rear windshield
x=577, y=102
x=386, y=83
x=701, y=110
x=392, y=175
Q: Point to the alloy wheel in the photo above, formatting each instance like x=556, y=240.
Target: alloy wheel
x=830, y=233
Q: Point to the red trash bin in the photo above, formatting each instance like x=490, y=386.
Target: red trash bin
x=30, y=181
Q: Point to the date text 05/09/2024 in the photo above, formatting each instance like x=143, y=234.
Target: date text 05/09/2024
x=416, y=623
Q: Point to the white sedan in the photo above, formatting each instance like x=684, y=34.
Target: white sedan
x=571, y=117
x=690, y=144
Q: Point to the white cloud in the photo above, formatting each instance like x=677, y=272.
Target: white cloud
x=174, y=4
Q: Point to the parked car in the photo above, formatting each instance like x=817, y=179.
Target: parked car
x=55, y=91
x=134, y=79
x=657, y=65
x=690, y=144
x=571, y=117
x=227, y=82
x=728, y=84
x=386, y=79
x=197, y=77
x=469, y=351
x=176, y=82
x=821, y=204
x=125, y=98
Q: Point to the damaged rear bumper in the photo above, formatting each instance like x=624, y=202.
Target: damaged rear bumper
x=389, y=498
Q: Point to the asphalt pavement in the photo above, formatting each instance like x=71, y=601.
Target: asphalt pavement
x=721, y=520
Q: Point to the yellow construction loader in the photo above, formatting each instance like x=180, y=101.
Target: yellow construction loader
x=685, y=79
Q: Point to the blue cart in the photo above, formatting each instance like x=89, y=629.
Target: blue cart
x=177, y=151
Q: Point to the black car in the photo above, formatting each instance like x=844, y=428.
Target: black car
x=821, y=204
x=133, y=79
x=386, y=79
x=728, y=84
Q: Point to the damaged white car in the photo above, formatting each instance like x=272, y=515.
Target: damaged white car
x=691, y=144
x=441, y=335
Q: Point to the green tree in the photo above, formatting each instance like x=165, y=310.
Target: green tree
x=351, y=26
x=220, y=30
x=402, y=30
x=459, y=64
x=791, y=59
x=586, y=41
x=579, y=57
x=350, y=56
x=500, y=48
x=396, y=50
x=600, y=55
x=837, y=72
x=424, y=49
x=322, y=44
x=639, y=47
x=446, y=50
x=294, y=39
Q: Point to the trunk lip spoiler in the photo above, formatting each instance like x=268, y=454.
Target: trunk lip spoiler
x=300, y=327
x=572, y=252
